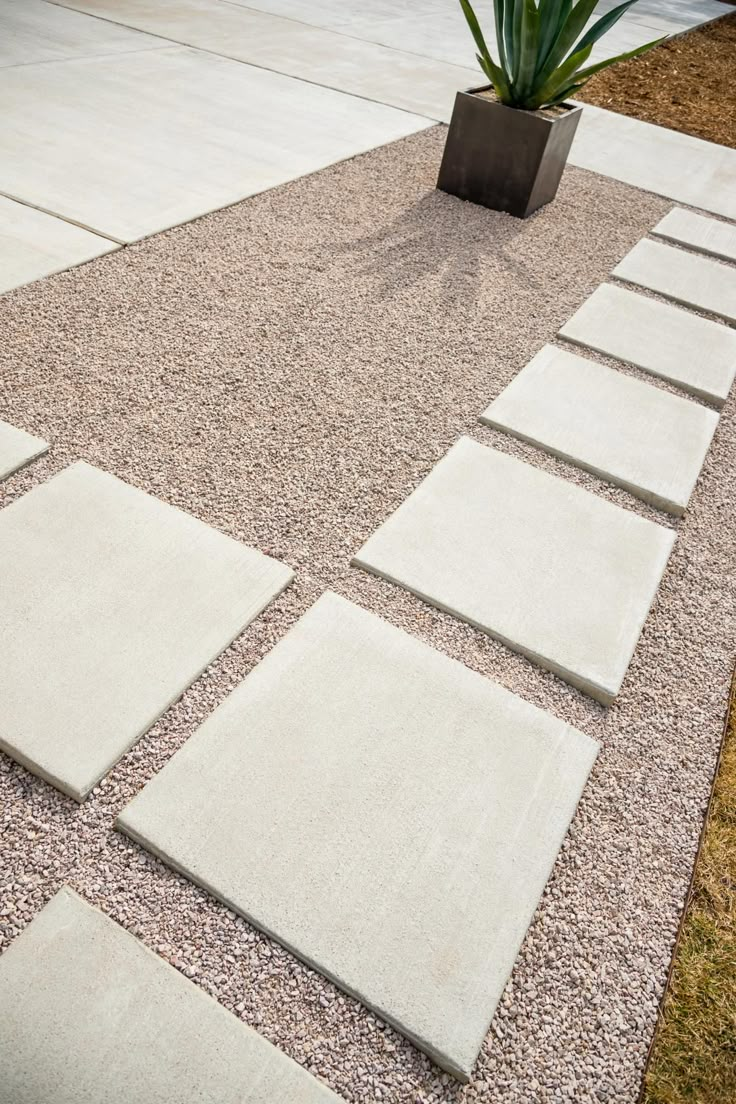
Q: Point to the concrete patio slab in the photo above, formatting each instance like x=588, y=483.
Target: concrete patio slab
x=693, y=281
x=33, y=31
x=89, y=1014
x=644, y=439
x=704, y=234
x=437, y=30
x=692, y=352
x=685, y=169
x=380, y=809
x=34, y=244
x=197, y=131
x=111, y=604
x=388, y=76
x=18, y=448
x=552, y=571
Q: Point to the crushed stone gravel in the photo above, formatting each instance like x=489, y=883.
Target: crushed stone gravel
x=288, y=370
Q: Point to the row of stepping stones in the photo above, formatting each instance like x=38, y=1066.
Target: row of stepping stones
x=384, y=812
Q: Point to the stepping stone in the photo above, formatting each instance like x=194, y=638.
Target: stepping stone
x=111, y=604
x=705, y=234
x=692, y=352
x=90, y=1014
x=646, y=440
x=34, y=244
x=18, y=448
x=694, y=281
x=384, y=812
x=552, y=571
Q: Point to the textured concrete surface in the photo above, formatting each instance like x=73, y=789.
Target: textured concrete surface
x=34, y=31
x=706, y=235
x=88, y=1014
x=646, y=440
x=386, y=813
x=17, y=448
x=683, y=168
x=111, y=604
x=694, y=281
x=389, y=76
x=437, y=29
x=553, y=572
x=34, y=244
x=131, y=144
x=695, y=353
x=288, y=370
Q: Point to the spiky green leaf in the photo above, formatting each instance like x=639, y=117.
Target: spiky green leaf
x=567, y=36
x=604, y=24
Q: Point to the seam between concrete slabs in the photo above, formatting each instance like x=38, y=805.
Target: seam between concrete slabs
x=271, y=68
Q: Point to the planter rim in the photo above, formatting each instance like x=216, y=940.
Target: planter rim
x=572, y=106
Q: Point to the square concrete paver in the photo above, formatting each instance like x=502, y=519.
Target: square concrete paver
x=34, y=244
x=380, y=809
x=111, y=604
x=552, y=571
x=88, y=1015
x=697, y=282
x=644, y=439
x=18, y=448
x=704, y=234
x=695, y=353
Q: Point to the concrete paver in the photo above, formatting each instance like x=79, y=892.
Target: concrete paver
x=642, y=438
x=383, y=811
x=551, y=570
x=111, y=604
x=89, y=1014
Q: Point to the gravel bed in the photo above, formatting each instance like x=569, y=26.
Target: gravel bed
x=288, y=370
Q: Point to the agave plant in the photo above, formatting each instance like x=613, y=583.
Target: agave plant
x=543, y=47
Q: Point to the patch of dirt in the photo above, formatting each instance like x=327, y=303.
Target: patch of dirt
x=685, y=84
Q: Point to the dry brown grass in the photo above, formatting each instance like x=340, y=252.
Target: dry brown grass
x=693, y=1060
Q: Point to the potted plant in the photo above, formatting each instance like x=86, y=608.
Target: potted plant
x=508, y=142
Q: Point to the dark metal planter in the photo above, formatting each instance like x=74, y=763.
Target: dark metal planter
x=503, y=157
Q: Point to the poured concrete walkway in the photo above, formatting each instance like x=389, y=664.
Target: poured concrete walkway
x=125, y=117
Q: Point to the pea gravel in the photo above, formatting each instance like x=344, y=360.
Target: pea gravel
x=288, y=370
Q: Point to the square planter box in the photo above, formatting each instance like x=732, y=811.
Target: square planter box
x=503, y=157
